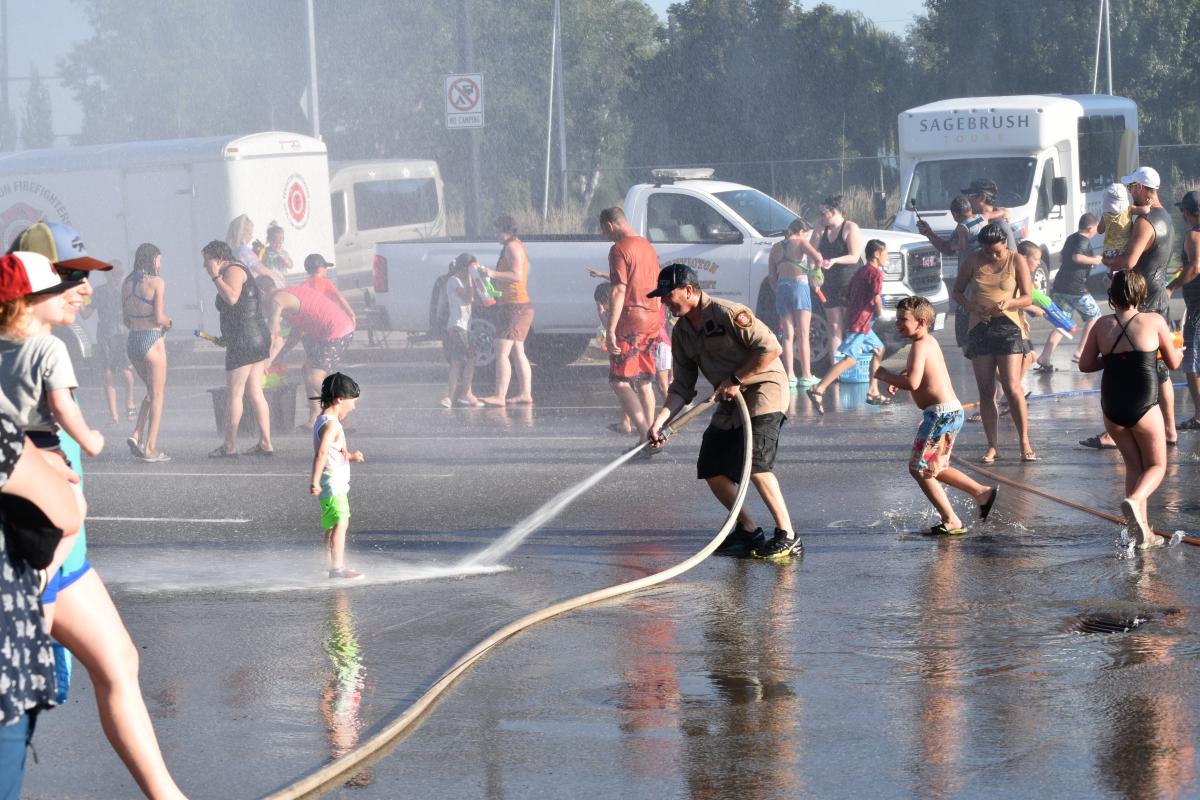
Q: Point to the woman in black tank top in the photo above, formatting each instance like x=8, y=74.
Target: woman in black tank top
x=840, y=241
x=247, y=346
x=1125, y=345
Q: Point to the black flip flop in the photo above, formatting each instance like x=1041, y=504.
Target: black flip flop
x=1094, y=443
x=818, y=400
x=986, y=508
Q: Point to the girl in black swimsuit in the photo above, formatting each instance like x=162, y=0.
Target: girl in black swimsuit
x=1129, y=393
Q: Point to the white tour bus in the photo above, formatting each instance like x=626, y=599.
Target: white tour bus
x=1050, y=155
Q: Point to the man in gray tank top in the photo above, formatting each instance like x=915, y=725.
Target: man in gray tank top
x=1151, y=239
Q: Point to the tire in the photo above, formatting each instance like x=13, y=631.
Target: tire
x=482, y=335
x=764, y=308
x=552, y=352
x=819, y=354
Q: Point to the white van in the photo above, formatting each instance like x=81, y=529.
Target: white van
x=1050, y=155
x=177, y=194
x=381, y=201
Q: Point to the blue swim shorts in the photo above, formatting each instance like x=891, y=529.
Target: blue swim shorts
x=1191, y=340
x=856, y=345
x=1082, y=304
x=792, y=295
x=935, y=439
x=62, y=579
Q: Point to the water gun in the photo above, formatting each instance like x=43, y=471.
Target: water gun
x=816, y=277
x=274, y=376
x=1177, y=340
x=208, y=337
x=1059, y=318
x=490, y=293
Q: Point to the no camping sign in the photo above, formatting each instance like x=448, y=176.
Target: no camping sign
x=464, y=101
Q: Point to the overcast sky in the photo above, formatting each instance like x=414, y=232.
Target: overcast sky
x=42, y=32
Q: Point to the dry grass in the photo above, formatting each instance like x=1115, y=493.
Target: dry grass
x=529, y=222
x=857, y=205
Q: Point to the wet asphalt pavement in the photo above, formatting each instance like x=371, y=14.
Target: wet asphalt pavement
x=885, y=664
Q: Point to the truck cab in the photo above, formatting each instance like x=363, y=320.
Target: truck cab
x=726, y=231
x=381, y=201
x=1050, y=155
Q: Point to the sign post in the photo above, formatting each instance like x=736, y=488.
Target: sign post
x=464, y=101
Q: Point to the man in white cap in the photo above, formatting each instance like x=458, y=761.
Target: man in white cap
x=1151, y=240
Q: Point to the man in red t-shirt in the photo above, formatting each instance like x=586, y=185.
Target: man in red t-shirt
x=318, y=278
x=633, y=319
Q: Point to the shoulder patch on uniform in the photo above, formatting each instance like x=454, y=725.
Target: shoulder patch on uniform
x=742, y=317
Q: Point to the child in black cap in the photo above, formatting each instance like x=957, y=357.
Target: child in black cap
x=331, y=468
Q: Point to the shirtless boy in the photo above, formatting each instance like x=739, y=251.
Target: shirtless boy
x=926, y=377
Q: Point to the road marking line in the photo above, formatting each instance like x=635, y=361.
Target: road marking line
x=166, y=519
x=515, y=438
x=359, y=475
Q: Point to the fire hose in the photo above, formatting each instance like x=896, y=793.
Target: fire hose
x=317, y=782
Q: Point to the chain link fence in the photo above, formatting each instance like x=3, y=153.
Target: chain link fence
x=802, y=183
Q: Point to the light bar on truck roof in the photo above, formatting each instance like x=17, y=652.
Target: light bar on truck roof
x=692, y=174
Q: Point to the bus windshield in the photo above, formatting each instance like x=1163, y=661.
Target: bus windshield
x=936, y=183
x=765, y=215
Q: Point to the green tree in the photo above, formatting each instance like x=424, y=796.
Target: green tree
x=181, y=68
x=381, y=70
x=759, y=80
x=37, y=119
x=1027, y=47
x=8, y=131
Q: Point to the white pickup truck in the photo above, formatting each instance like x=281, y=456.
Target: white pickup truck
x=724, y=230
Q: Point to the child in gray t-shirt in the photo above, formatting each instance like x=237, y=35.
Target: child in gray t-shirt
x=37, y=378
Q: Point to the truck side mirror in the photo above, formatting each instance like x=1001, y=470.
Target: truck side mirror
x=715, y=233
x=1058, y=192
x=879, y=205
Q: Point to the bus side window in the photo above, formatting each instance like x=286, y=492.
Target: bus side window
x=338, y=204
x=1044, y=190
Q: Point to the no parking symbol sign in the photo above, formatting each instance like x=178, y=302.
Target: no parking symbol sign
x=464, y=101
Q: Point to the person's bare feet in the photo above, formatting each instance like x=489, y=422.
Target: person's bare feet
x=520, y=401
x=1135, y=520
x=494, y=402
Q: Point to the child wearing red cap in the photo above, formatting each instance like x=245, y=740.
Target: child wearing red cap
x=37, y=379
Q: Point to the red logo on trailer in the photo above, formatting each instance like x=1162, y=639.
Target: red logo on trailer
x=295, y=197
x=15, y=219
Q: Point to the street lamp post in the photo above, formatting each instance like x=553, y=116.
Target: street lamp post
x=313, y=107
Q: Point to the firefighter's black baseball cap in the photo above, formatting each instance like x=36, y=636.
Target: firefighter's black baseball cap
x=674, y=276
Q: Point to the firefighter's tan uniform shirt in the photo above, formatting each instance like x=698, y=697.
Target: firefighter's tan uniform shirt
x=728, y=337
